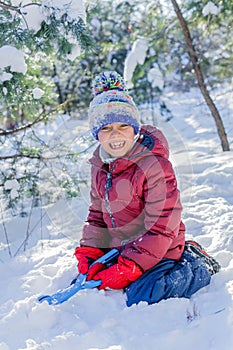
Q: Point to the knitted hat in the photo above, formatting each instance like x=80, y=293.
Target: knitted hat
x=111, y=103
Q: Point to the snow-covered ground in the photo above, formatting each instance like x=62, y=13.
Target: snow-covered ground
x=101, y=320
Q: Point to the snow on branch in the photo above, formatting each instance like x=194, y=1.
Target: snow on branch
x=13, y=58
x=137, y=55
x=210, y=9
x=66, y=17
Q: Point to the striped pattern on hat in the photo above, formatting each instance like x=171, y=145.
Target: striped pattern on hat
x=111, y=104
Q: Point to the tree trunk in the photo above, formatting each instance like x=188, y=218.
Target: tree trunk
x=200, y=79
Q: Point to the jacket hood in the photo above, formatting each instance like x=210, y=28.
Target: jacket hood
x=151, y=141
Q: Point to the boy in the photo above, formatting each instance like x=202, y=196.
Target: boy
x=135, y=206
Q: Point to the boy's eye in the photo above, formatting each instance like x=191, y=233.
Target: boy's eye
x=105, y=128
x=109, y=127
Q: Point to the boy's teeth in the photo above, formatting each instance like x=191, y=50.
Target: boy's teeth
x=117, y=144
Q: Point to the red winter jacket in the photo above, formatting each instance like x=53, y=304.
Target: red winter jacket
x=135, y=203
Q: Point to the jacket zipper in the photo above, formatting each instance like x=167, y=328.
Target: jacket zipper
x=107, y=188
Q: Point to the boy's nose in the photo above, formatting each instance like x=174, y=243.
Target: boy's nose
x=114, y=132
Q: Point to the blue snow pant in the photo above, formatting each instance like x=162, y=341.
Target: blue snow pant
x=169, y=279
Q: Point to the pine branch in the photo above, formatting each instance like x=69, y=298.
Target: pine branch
x=10, y=7
x=30, y=156
x=17, y=8
x=21, y=155
x=41, y=118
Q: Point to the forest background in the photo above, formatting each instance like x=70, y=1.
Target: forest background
x=176, y=57
x=51, y=50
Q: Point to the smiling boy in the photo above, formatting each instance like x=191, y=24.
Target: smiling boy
x=135, y=206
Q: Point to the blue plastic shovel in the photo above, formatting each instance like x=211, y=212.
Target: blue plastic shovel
x=78, y=283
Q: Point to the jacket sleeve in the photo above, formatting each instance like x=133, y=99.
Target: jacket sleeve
x=95, y=232
x=162, y=215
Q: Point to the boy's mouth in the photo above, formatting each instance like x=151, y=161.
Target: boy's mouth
x=117, y=145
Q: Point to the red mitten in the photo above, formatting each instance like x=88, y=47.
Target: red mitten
x=85, y=256
x=119, y=275
x=93, y=270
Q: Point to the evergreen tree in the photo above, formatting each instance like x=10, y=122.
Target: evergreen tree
x=41, y=32
x=33, y=36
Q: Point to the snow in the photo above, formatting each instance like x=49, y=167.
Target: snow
x=4, y=90
x=74, y=8
x=137, y=55
x=13, y=186
x=37, y=93
x=75, y=51
x=5, y=77
x=13, y=58
x=33, y=14
x=101, y=320
x=210, y=9
x=155, y=77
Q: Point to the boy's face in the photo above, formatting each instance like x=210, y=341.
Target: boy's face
x=116, y=139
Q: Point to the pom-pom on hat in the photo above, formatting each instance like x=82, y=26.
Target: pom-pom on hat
x=111, y=103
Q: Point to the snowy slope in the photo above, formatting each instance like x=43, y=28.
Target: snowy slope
x=101, y=320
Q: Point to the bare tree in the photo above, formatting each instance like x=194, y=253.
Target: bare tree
x=200, y=78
